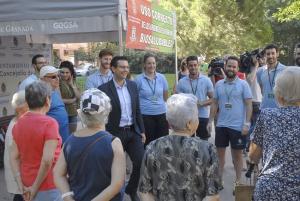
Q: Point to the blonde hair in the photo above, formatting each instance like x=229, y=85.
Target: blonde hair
x=287, y=85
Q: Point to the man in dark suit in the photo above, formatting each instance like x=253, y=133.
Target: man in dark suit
x=125, y=120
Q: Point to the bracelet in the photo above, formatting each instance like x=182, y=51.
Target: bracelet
x=70, y=193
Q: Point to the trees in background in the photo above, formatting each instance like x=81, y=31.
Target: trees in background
x=218, y=27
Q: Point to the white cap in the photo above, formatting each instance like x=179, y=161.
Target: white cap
x=47, y=69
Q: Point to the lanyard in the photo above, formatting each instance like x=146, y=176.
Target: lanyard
x=194, y=90
x=272, y=83
x=152, y=89
x=228, y=94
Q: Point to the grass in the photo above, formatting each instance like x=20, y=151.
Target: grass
x=170, y=78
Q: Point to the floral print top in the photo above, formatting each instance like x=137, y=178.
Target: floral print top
x=179, y=168
x=277, y=132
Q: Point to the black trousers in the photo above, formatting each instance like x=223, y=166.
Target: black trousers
x=201, y=130
x=133, y=145
x=18, y=197
x=156, y=126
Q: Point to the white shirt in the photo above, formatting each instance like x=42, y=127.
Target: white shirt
x=254, y=86
x=30, y=79
x=125, y=103
x=11, y=184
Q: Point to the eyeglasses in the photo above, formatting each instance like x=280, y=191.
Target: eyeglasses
x=41, y=63
x=53, y=77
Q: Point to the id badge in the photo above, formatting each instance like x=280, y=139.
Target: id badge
x=154, y=99
x=228, y=106
x=270, y=95
x=199, y=103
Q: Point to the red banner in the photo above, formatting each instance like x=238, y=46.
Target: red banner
x=149, y=27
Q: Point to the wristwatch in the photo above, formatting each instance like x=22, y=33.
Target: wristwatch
x=247, y=124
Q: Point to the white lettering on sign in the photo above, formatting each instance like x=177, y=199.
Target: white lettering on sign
x=148, y=12
x=65, y=25
x=152, y=27
x=16, y=29
x=161, y=17
x=145, y=11
x=154, y=40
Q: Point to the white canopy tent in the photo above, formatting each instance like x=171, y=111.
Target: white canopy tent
x=63, y=21
x=43, y=22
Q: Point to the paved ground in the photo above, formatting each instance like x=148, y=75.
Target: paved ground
x=226, y=193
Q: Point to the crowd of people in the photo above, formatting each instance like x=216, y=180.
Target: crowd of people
x=166, y=138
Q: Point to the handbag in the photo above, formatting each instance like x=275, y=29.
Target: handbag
x=244, y=192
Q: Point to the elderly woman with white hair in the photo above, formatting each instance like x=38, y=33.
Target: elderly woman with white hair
x=20, y=106
x=276, y=139
x=92, y=164
x=178, y=166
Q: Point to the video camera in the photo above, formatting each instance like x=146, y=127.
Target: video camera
x=216, y=65
x=247, y=60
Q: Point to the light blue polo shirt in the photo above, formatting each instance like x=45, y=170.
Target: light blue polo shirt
x=267, y=83
x=152, y=103
x=234, y=93
x=199, y=87
x=97, y=79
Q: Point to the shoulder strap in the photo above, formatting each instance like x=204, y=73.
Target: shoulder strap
x=86, y=149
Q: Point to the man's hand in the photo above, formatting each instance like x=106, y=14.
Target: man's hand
x=245, y=130
x=209, y=127
x=200, y=103
x=143, y=137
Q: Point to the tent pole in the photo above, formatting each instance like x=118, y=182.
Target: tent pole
x=120, y=31
x=175, y=39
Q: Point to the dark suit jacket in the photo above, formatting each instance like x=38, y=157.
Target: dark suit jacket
x=114, y=117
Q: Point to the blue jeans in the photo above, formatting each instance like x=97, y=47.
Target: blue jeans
x=50, y=195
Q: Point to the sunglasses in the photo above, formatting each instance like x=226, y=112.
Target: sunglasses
x=53, y=77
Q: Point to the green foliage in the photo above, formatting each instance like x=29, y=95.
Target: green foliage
x=91, y=54
x=80, y=54
x=288, y=13
x=218, y=27
x=165, y=63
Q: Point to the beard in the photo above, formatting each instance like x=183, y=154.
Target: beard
x=230, y=74
x=297, y=61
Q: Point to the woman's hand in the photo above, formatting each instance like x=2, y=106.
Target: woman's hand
x=29, y=193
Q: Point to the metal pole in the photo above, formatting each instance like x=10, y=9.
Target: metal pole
x=120, y=30
x=175, y=39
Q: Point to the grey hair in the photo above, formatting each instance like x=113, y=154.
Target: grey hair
x=37, y=93
x=18, y=99
x=287, y=85
x=181, y=109
x=99, y=117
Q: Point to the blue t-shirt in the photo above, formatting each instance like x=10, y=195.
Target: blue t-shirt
x=151, y=94
x=267, y=83
x=58, y=112
x=231, y=97
x=199, y=87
